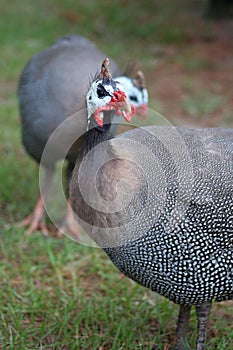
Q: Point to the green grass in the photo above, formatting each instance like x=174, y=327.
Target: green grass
x=56, y=294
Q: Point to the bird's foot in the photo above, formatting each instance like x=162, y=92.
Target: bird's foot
x=71, y=229
x=34, y=224
x=70, y=225
x=35, y=221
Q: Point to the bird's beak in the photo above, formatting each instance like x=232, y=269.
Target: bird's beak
x=122, y=106
x=126, y=110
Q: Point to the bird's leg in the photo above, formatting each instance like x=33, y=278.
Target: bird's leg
x=182, y=328
x=70, y=225
x=202, y=313
x=36, y=220
x=181, y=342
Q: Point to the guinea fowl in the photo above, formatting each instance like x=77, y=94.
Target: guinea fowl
x=159, y=201
x=52, y=87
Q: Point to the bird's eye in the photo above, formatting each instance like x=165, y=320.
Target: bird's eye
x=101, y=92
x=133, y=98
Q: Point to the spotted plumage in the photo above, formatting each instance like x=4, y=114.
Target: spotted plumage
x=192, y=263
x=174, y=234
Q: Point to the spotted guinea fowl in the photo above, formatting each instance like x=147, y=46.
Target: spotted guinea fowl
x=159, y=200
x=52, y=87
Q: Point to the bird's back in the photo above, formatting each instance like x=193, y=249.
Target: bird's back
x=52, y=87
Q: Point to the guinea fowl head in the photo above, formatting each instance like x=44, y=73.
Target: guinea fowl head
x=105, y=98
x=136, y=91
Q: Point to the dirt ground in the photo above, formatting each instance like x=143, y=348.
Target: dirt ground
x=192, y=84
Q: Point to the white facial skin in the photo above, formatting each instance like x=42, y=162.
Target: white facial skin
x=95, y=98
x=136, y=96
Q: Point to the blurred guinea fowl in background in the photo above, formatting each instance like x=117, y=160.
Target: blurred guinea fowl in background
x=52, y=87
x=159, y=201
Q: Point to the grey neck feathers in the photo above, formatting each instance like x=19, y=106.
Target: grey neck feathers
x=91, y=139
x=105, y=188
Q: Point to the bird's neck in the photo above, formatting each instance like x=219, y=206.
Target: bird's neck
x=92, y=138
x=87, y=181
x=105, y=189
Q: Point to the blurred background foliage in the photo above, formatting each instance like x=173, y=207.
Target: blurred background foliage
x=169, y=39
